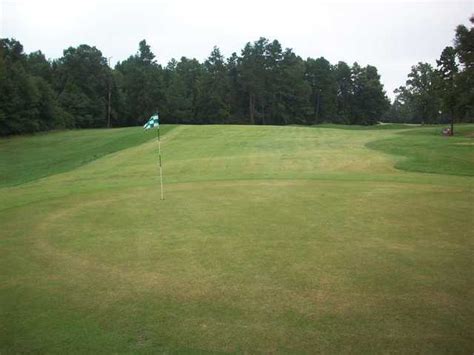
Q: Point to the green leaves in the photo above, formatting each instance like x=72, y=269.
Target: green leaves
x=441, y=95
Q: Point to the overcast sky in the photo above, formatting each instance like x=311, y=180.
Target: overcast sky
x=392, y=35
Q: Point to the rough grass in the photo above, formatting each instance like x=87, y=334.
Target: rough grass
x=28, y=158
x=270, y=239
x=427, y=151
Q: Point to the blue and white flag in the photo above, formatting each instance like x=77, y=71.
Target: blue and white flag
x=153, y=122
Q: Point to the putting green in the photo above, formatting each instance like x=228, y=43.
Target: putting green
x=270, y=239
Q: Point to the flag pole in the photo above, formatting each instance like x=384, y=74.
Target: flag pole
x=161, y=168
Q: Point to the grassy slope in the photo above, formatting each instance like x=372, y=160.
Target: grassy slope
x=270, y=239
x=24, y=159
x=427, y=151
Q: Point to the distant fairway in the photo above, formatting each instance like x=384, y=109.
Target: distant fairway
x=270, y=239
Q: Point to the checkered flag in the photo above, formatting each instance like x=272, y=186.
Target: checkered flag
x=153, y=122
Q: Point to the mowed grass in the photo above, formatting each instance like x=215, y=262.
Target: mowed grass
x=270, y=239
x=28, y=158
x=427, y=152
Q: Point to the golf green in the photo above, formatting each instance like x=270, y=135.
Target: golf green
x=270, y=239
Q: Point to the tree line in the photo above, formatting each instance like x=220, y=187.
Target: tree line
x=444, y=93
x=265, y=84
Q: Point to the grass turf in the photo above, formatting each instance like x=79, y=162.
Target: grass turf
x=28, y=158
x=426, y=151
x=271, y=239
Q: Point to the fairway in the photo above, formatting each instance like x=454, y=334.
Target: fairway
x=270, y=239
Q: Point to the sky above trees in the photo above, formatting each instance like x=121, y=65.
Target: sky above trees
x=392, y=35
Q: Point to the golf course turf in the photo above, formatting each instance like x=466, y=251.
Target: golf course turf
x=270, y=239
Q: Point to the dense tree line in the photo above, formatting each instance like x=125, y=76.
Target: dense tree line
x=265, y=84
x=444, y=93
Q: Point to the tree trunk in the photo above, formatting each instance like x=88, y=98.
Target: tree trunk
x=109, y=108
x=317, y=106
x=252, y=108
x=452, y=124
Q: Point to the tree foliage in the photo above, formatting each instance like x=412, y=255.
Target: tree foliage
x=441, y=94
x=264, y=84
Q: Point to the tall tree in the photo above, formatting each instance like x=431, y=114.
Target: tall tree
x=369, y=101
x=422, y=85
x=464, y=46
x=401, y=109
x=141, y=85
x=213, y=103
x=19, y=96
x=448, y=71
x=274, y=72
x=252, y=69
x=294, y=90
x=320, y=76
x=27, y=101
x=81, y=77
x=343, y=76
x=238, y=102
x=189, y=72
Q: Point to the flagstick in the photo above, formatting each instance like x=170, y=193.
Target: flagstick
x=161, y=169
